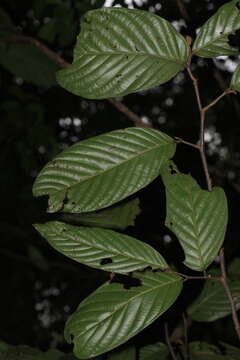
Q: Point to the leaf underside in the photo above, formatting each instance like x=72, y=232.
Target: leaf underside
x=118, y=216
x=112, y=315
x=100, y=171
x=100, y=248
x=121, y=51
x=213, y=37
x=197, y=217
x=212, y=303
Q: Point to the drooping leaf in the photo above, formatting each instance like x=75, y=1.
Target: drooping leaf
x=121, y=51
x=213, y=37
x=112, y=315
x=197, y=217
x=158, y=351
x=29, y=63
x=118, y=216
x=98, y=172
x=127, y=353
x=203, y=351
x=212, y=303
x=235, y=82
x=102, y=249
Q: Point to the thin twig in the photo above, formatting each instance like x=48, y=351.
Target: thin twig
x=224, y=281
x=180, y=140
x=185, y=329
x=169, y=342
x=182, y=9
x=64, y=64
x=214, y=102
x=187, y=277
x=131, y=115
x=202, y=127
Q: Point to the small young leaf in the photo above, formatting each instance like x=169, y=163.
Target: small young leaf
x=156, y=351
x=98, y=172
x=235, y=82
x=29, y=63
x=212, y=303
x=197, y=217
x=128, y=353
x=212, y=39
x=118, y=216
x=121, y=51
x=102, y=249
x=112, y=315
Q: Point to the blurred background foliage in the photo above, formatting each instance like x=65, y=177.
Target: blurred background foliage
x=40, y=287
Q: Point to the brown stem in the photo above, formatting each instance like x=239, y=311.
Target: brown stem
x=62, y=63
x=131, y=115
x=187, y=277
x=224, y=281
x=182, y=9
x=180, y=140
x=214, y=102
x=202, y=127
x=169, y=342
x=185, y=330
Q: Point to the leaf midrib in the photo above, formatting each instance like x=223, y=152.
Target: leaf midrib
x=130, y=53
x=118, y=253
x=66, y=188
x=127, y=302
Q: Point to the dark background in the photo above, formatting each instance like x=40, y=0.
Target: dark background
x=40, y=287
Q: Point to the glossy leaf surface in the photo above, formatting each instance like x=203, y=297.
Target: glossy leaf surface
x=213, y=37
x=197, y=217
x=100, y=171
x=121, y=51
x=112, y=315
x=103, y=249
x=235, y=82
x=158, y=351
x=118, y=216
x=212, y=303
x=29, y=63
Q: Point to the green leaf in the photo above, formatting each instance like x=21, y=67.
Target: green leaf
x=128, y=353
x=11, y=352
x=121, y=51
x=100, y=171
x=235, y=82
x=232, y=351
x=212, y=303
x=158, y=351
x=212, y=38
x=118, y=216
x=203, y=351
x=197, y=217
x=29, y=63
x=102, y=249
x=112, y=315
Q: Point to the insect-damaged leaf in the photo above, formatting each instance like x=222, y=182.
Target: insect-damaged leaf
x=120, y=51
x=98, y=172
x=197, y=217
x=213, y=37
x=112, y=315
x=99, y=248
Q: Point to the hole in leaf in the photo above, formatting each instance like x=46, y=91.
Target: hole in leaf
x=171, y=223
x=71, y=337
x=86, y=20
x=234, y=40
x=238, y=5
x=173, y=172
x=106, y=261
x=137, y=49
x=127, y=281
